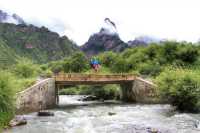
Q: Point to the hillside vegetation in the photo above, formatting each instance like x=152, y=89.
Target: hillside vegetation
x=38, y=44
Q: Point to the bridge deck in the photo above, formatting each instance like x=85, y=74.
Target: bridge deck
x=75, y=79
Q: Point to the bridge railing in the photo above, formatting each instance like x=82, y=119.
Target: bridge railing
x=92, y=77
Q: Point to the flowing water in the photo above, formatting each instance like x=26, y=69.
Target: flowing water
x=73, y=116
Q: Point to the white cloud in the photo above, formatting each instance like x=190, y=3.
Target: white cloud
x=78, y=19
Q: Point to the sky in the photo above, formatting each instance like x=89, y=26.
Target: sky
x=78, y=19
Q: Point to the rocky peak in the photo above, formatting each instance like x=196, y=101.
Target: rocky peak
x=103, y=41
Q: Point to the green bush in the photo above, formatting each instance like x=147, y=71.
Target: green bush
x=108, y=58
x=102, y=92
x=26, y=68
x=67, y=65
x=188, y=53
x=150, y=69
x=106, y=92
x=168, y=51
x=76, y=63
x=47, y=73
x=56, y=66
x=23, y=83
x=181, y=88
x=120, y=65
x=69, y=91
x=79, y=62
x=6, y=98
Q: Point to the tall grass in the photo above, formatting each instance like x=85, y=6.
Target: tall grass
x=22, y=75
x=6, y=98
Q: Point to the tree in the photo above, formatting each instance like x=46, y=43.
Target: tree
x=188, y=53
x=25, y=68
x=120, y=65
x=79, y=62
x=108, y=58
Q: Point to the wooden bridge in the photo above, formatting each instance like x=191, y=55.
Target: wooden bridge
x=90, y=79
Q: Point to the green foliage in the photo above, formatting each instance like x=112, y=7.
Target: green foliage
x=79, y=62
x=56, y=66
x=26, y=68
x=188, y=53
x=120, y=65
x=38, y=44
x=181, y=88
x=169, y=50
x=6, y=98
x=70, y=91
x=76, y=63
x=150, y=69
x=108, y=58
x=23, y=83
x=105, y=92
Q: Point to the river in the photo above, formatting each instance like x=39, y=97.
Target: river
x=73, y=116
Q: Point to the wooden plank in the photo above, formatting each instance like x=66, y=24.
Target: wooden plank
x=93, y=77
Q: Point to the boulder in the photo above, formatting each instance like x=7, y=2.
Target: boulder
x=111, y=113
x=45, y=113
x=90, y=98
x=18, y=121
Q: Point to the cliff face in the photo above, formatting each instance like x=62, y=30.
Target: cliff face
x=39, y=44
x=103, y=41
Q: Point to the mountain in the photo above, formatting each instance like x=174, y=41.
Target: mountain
x=102, y=41
x=105, y=40
x=10, y=18
x=143, y=41
x=33, y=42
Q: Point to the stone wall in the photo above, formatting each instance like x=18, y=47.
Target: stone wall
x=140, y=91
x=145, y=91
x=39, y=96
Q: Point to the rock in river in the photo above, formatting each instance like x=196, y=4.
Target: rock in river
x=18, y=121
x=111, y=113
x=45, y=113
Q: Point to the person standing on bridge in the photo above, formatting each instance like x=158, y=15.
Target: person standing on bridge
x=95, y=64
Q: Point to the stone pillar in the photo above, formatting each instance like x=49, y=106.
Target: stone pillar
x=127, y=92
x=56, y=94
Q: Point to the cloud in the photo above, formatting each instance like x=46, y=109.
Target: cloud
x=78, y=19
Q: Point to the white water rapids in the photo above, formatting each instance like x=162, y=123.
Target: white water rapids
x=73, y=116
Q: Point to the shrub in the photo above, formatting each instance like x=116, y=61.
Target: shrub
x=150, y=69
x=168, y=51
x=181, y=88
x=23, y=83
x=106, y=92
x=6, y=98
x=26, y=68
x=79, y=62
x=56, y=66
x=47, y=73
x=102, y=92
x=188, y=53
x=108, y=58
x=69, y=91
x=120, y=65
